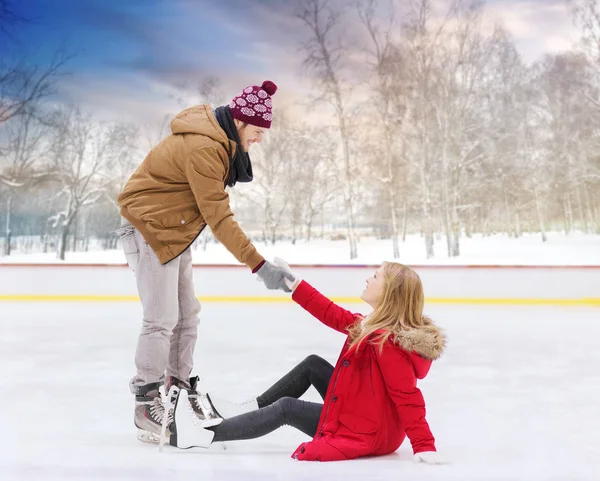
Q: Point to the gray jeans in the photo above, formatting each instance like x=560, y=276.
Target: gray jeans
x=170, y=311
x=279, y=405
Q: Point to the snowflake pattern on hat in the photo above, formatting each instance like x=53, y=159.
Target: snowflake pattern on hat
x=254, y=105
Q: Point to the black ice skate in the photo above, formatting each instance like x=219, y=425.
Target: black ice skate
x=150, y=414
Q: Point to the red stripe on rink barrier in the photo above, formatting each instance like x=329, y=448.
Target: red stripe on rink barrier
x=326, y=266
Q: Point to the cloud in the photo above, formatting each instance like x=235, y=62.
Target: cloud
x=153, y=49
x=244, y=12
x=125, y=98
x=538, y=26
x=123, y=24
x=230, y=40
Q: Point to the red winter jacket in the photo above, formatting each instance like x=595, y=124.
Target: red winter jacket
x=372, y=401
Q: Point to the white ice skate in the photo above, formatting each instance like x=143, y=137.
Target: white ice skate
x=187, y=430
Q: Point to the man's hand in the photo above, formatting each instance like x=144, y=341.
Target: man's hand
x=275, y=276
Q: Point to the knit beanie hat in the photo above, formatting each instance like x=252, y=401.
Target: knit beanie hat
x=253, y=106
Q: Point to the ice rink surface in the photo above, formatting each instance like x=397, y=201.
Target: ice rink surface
x=515, y=397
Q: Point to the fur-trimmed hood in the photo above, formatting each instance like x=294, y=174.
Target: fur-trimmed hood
x=428, y=341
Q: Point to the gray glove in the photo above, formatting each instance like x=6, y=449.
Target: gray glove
x=274, y=276
x=291, y=283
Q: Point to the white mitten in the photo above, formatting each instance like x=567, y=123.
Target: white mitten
x=429, y=457
x=278, y=261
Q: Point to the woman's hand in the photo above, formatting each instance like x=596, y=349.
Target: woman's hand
x=430, y=457
x=292, y=284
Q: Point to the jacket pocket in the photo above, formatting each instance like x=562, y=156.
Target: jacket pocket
x=179, y=219
x=130, y=247
x=358, y=424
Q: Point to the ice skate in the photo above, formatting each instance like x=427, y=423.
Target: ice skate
x=199, y=402
x=150, y=414
x=187, y=429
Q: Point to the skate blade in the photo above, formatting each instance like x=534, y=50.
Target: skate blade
x=148, y=437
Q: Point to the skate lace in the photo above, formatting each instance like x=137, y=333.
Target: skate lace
x=157, y=411
x=196, y=421
x=203, y=405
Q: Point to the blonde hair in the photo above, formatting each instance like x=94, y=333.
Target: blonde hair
x=399, y=308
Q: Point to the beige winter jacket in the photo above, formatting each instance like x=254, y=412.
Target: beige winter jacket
x=179, y=188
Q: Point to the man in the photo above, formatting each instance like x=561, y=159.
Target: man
x=174, y=194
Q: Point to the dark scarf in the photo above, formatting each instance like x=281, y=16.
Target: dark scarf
x=240, y=167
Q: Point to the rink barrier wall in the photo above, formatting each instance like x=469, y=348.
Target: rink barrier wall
x=339, y=300
x=445, y=284
x=313, y=266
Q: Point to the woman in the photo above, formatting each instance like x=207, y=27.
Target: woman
x=371, y=401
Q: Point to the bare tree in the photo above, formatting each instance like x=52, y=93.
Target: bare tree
x=572, y=126
x=19, y=163
x=507, y=103
x=154, y=132
x=314, y=183
x=208, y=89
x=421, y=45
x=8, y=18
x=587, y=15
x=271, y=166
x=23, y=85
x=126, y=160
x=387, y=64
x=301, y=156
x=84, y=153
x=459, y=117
x=324, y=52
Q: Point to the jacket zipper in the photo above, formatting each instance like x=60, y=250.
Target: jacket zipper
x=329, y=404
x=188, y=246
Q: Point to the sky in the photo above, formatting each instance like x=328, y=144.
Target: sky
x=132, y=59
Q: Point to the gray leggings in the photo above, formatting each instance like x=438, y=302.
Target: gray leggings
x=279, y=405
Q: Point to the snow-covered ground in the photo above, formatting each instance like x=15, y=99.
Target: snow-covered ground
x=514, y=398
x=575, y=249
